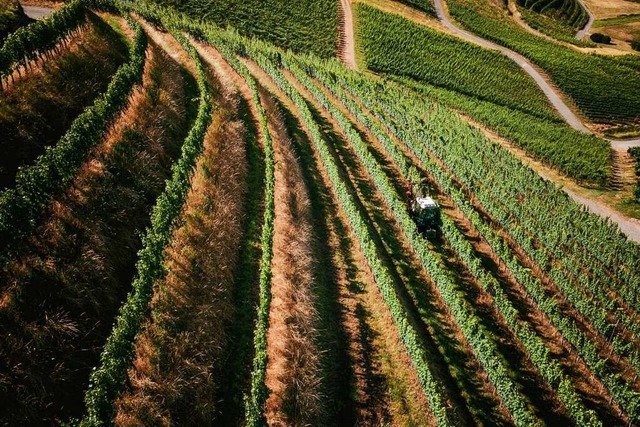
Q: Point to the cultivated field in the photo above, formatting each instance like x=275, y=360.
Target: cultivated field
x=219, y=231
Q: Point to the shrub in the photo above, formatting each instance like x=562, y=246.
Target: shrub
x=600, y=38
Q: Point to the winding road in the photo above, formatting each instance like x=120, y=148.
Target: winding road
x=629, y=226
x=35, y=12
x=580, y=34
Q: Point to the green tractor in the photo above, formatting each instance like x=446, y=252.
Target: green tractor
x=425, y=212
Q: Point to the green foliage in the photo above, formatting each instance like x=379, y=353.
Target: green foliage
x=635, y=153
x=424, y=5
x=618, y=20
x=108, y=378
x=604, y=88
x=31, y=42
x=584, y=242
x=568, y=12
x=12, y=17
x=299, y=25
x=600, y=38
x=556, y=28
x=583, y=157
x=21, y=206
x=392, y=44
x=635, y=44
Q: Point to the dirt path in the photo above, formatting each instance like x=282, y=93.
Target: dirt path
x=347, y=41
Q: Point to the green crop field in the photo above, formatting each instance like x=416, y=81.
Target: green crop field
x=300, y=25
x=238, y=229
x=394, y=45
x=602, y=87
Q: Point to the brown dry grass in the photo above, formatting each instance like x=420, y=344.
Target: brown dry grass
x=603, y=9
x=67, y=281
x=294, y=368
x=179, y=354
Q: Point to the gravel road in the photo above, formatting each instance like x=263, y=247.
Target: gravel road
x=34, y=12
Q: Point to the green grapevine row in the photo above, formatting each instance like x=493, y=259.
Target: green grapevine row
x=255, y=401
x=583, y=157
x=108, y=378
x=570, y=12
x=635, y=153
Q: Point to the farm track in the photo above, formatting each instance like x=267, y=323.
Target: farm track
x=346, y=38
x=580, y=34
x=37, y=12
x=57, y=317
x=380, y=363
x=527, y=309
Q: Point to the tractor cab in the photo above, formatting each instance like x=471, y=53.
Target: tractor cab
x=426, y=214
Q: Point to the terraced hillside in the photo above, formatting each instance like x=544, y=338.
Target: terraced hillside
x=225, y=235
